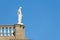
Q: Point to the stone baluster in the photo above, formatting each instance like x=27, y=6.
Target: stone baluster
x=8, y=31
x=4, y=31
x=1, y=31
x=12, y=31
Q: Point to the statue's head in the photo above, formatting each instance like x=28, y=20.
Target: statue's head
x=20, y=7
x=20, y=10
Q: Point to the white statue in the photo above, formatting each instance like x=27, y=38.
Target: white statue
x=20, y=15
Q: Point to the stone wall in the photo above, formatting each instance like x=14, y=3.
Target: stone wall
x=18, y=34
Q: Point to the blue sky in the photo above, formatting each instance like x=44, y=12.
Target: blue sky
x=40, y=17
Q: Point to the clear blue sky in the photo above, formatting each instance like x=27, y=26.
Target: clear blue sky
x=40, y=17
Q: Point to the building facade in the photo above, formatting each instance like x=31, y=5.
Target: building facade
x=12, y=32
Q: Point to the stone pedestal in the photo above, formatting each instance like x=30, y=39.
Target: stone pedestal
x=19, y=31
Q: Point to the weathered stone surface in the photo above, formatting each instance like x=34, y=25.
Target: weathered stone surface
x=18, y=34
